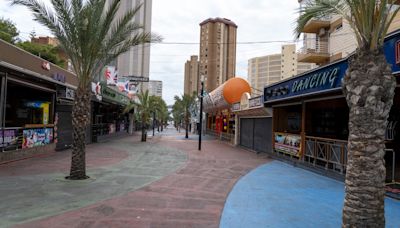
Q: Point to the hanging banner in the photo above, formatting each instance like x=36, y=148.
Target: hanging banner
x=37, y=137
x=123, y=86
x=110, y=75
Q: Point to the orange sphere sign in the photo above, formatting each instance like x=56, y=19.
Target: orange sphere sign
x=234, y=88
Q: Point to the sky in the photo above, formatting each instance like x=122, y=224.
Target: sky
x=267, y=24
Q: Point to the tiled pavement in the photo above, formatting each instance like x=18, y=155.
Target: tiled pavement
x=183, y=187
x=167, y=182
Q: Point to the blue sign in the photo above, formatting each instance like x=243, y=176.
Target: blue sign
x=322, y=79
x=391, y=48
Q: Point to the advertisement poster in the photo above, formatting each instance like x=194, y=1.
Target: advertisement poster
x=288, y=143
x=8, y=138
x=37, y=137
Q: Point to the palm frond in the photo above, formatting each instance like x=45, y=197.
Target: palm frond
x=369, y=19
x=89, y=31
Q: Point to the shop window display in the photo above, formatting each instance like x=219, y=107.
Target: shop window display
x=27, y=106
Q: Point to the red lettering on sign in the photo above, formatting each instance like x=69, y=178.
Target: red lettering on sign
x=397, y=52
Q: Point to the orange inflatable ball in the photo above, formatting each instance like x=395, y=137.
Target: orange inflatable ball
x=234, y=88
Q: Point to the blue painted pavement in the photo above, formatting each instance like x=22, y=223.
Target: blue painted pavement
x=280, y=195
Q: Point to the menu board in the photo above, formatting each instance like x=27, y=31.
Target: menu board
x=37, y=137
x=287, y=143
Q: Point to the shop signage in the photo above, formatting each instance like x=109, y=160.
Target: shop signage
x=8, y=138
x=59, y=77
x=133, y=78
x=45, y=65
x=287, y=143
x=215, y=100
x=320, y=80
x=113, y=95
x=36, y=137
x=66, y=93
x=69, y=93
x=323, y=79
x=391, y=49
x=236, y=107
x=397, y=52
x=255, y=102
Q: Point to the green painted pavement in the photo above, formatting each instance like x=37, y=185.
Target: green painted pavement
x=30, y=197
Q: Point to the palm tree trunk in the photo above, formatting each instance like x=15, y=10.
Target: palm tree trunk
x=187, y=127
x=143, y=134
x=369, y=90
x=80, y=121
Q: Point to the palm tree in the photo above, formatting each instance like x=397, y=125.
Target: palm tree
x=144, y=109
x=177, y=112
x=162, y=112
x=369, y=90
x=159, y=106
x=91, y=37
x=184, y=105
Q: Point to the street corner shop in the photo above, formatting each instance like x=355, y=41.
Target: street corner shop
x=36, y=99
x=32, y=89
x=220, y=120
x=310, y=117
x=253, y=123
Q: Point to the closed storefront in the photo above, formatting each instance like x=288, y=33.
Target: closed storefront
x=255, y=134
x=254, y=124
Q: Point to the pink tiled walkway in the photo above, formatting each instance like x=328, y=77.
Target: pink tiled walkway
x=193, y=196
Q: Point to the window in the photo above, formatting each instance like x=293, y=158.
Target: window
x=339, y=27
x=23, y=108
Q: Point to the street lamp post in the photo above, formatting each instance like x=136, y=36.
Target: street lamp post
x=201, y=111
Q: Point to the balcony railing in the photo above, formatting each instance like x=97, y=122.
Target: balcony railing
x=330, y=154
x=315, y=53
x=317, y=47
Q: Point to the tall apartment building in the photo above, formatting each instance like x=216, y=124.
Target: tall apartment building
x=330, y=38
x=269, y=69
x=192, y=79
x=217, y=51
x=155, y=88
x=136, y=61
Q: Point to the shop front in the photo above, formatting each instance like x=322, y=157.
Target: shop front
x=310, y=118
x=253, y=124
x=108, y=117
x=28, y=99
x=220, y=120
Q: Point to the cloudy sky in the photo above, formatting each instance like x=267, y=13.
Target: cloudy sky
x=267, y=24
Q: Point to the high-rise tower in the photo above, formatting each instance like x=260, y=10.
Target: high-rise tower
x=217, y=51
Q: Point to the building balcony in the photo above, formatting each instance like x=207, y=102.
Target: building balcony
x=317, y=53
x=315, y=25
